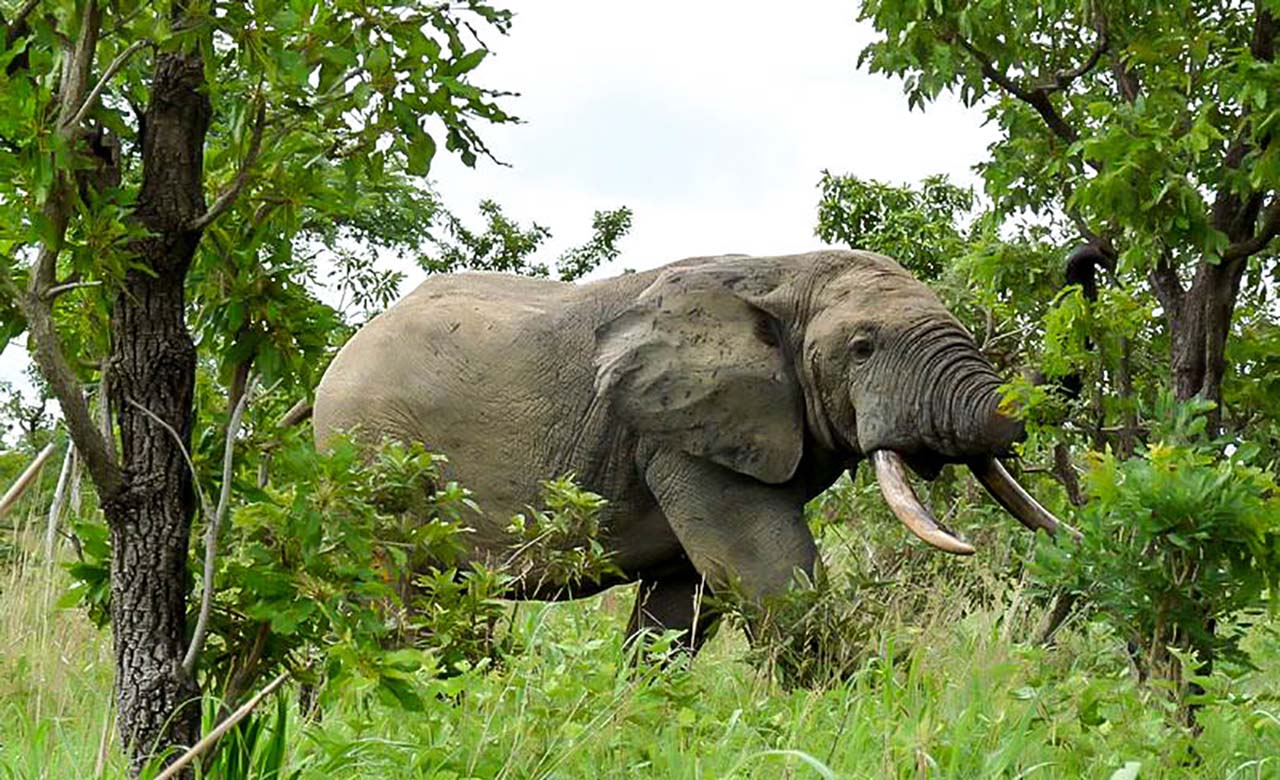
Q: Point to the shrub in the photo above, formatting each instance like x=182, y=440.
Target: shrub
x=347, y=568
x=1181, y=548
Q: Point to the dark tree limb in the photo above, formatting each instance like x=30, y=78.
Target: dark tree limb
x=1063, y=78
x=20, y=18
x=1164, y=281
x=1265, y=31
x=1038, y=99
x=1268, y=230
x=227, y=199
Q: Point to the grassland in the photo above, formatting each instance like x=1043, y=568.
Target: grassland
x=950, y=689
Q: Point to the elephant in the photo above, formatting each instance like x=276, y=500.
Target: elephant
x=707, y=400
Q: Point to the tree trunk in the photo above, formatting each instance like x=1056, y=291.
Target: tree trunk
x=152, y=368
x=1199, y=322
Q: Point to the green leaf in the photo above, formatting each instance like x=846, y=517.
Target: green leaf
x=468, y=62
x=421, y=150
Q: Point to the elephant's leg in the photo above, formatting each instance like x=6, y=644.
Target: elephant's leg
x=738, y=532
x=673, y=603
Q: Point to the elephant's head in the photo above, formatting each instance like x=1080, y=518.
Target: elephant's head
x=748, y=361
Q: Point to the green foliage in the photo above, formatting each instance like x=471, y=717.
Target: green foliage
x=351, y=105
x=967, y=703
x=507, y=247
x=920, y=228
x=29, y=419
x=559, y=545
x=1181, y=546
x=608, y=228
x=254, y=749
x=1125, y=116
x=817, y=634
x=1147, y=126
x=351, y=568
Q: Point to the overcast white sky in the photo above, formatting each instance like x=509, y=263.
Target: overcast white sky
x=711, y=119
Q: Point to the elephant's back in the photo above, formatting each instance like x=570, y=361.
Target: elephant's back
x=493, y=371
x=455, y=335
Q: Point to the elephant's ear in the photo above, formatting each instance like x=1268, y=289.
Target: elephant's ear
x=696, y=366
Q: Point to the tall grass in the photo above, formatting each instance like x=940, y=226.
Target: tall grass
x=950, y=689
x=55, y=675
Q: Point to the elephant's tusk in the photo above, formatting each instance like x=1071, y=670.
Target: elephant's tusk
x=891, y=473
x=1017, y=501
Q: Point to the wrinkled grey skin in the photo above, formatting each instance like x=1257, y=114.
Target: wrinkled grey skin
x=707, y=401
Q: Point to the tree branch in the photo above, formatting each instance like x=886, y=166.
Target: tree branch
x=72, y=91
x=59, y=500
x=211, y=533
x=88, y=104
x=58, y=289
x=1235, y=213
x=1063, y=78
x=21, y=17
x=1036, y=98
x=299, y=412
x=212, y=738
x=228, y=198
x=1265, y=30
x=66, y=388
x=25, y=479
x=1269, y=229
x=104, y=410
x=36, y=306
x=1164, y=280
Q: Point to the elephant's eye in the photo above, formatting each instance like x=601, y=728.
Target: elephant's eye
x=862, y=347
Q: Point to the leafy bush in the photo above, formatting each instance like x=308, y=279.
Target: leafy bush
x=880, y=586
x=1181, y=546
x=348, y=568
x=559, y=544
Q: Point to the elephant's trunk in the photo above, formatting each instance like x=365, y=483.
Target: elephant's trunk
x=966, y=423
x=966, y=419
x=948, y=411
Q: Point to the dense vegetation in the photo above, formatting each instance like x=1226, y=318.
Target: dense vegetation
x=1147, y=368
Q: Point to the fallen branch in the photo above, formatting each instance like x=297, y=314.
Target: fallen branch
x=25, y=479
x=212, y=737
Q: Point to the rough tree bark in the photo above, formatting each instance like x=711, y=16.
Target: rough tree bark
x=152, y=365
x=145, y=488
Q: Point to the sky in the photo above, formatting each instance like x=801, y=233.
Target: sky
x=712, y=120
